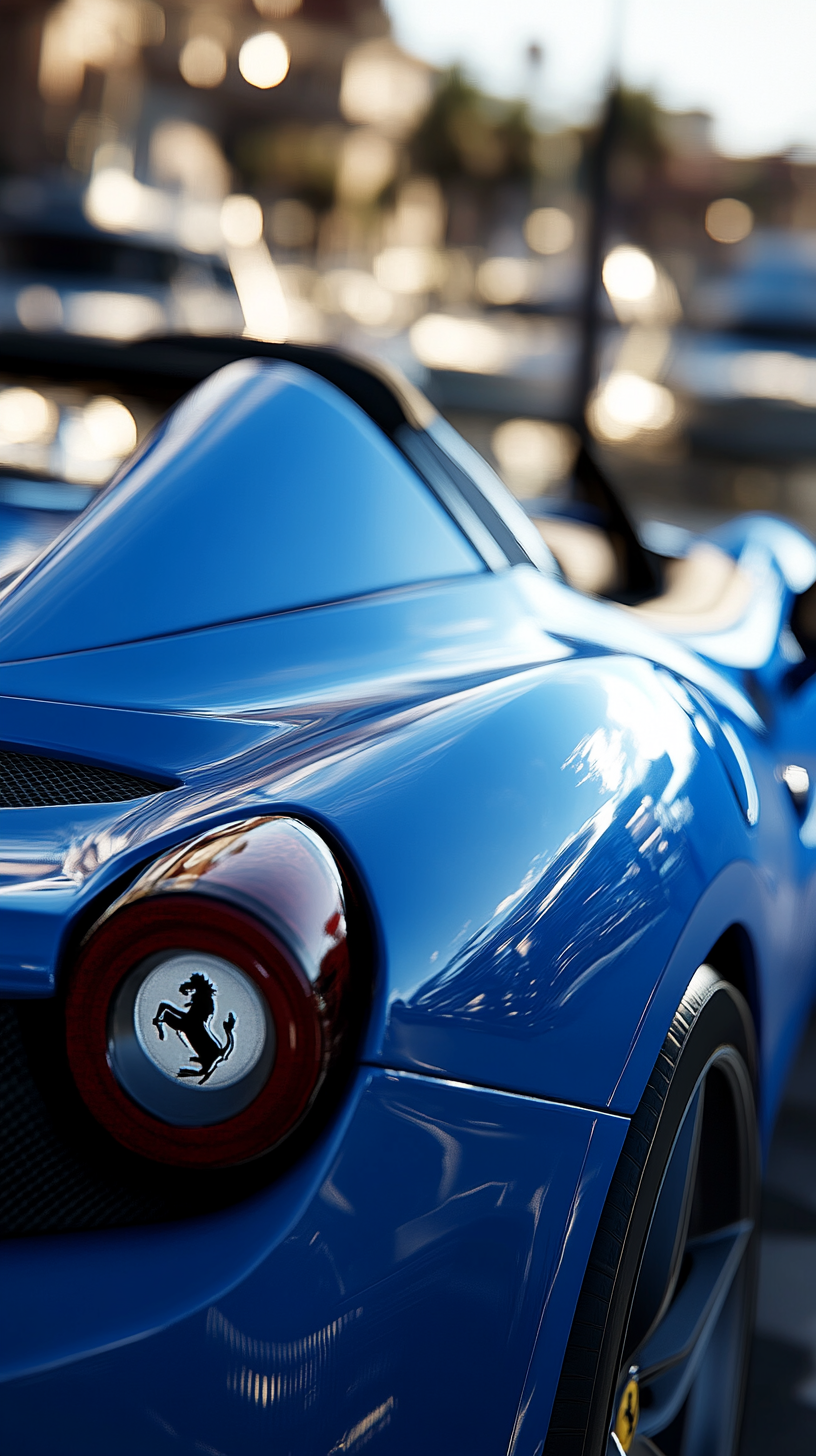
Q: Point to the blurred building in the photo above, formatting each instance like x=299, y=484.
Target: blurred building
x=355, y=195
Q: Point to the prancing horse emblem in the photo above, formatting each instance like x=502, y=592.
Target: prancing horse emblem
x=192, y=1024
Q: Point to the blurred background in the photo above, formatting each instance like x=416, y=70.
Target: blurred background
x=604, y=217
x=594, y=218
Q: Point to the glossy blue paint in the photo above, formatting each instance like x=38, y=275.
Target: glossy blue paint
x=554, y=812
x=504, y=955
x=355, y=1290
x=573, y=869
x=381, y=649
x=25, y=532
x=507, y=977
x=166, y=547
x=398, y=643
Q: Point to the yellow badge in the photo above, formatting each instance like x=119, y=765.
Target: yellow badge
x=627, y=1418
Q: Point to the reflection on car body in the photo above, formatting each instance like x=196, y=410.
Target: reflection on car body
x=402, y=949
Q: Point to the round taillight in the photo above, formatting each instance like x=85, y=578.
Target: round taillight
x=210, y=1004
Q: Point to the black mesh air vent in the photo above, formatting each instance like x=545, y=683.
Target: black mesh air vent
x=28, y=781
x=60, y=1172
x=45, y=1186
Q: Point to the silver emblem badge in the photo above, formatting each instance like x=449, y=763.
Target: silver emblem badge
x=191, y=1039
x=200, y=1019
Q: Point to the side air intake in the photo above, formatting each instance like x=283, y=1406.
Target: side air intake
x=29, y=781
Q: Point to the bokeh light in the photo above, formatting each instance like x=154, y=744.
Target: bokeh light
x=110, y=426
x=442, y=341
x=203, y=62
x=408, y=270
x=103, y=314
x=627, y=404
x=368, y=162
x=533, y=455
x=263, y=60
x=728, y=220
x=241, y=220
x=549, y=230
x=185, y=155
x=39, y=308
x=198, y=226
x=258, y=285
x=103, y=34
x=503, y=280
x=774, y=374
x=383, y=87
x=94, y=437
x=629, y=274
x=114, y=199
x=27, y=417
x=359, y=295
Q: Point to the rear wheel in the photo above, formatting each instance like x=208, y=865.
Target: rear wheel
x=657, y=1356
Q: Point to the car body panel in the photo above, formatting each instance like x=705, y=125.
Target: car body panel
x=552, y=812
x=353, y=764
x=566, y=757
x=343, y=1289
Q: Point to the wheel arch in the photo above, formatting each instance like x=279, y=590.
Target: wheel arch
x=536, y=1403
x=728, y=930
x=733, y=958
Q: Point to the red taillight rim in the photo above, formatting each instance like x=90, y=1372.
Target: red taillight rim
x=196, y=922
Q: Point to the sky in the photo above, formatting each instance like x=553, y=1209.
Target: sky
x=751, y=63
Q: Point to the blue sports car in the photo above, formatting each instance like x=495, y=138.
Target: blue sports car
x=407, y=918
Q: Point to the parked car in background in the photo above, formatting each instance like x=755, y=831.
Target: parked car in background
x=59, y=271
x=748, y=368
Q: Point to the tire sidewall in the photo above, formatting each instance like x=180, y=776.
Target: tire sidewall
x=721, y=1032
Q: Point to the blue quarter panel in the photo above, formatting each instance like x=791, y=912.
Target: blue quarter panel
x=171, y=744
x=524, y=916
x=378, y=648
x=482, y=811
x=347, y=1298
x=551, y=877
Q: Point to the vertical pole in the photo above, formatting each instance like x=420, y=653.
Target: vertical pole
x=586, y=373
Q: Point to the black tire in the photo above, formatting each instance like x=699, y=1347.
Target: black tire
x=695, y=1129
